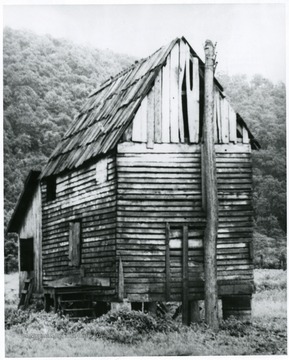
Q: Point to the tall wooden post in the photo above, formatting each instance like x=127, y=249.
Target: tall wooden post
x=211, y=195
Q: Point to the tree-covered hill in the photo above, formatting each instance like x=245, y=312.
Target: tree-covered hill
x=262, y=104
x=46, y=81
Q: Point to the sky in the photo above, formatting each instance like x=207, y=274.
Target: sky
x=250, y=37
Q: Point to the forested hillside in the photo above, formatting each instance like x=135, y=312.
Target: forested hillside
x=262, y=104
x=46, y=81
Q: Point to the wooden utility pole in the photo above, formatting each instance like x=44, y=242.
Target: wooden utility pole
x=211, y=195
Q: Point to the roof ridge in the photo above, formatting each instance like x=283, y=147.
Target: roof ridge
x=131, y=67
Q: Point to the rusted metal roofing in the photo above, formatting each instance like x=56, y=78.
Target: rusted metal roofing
x=108, y=112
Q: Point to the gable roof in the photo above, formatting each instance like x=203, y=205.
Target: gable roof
x=24, y=201
x=108, y=112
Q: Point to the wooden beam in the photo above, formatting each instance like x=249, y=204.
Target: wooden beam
x=195, y=311
x=130, y=147
x=211, y=230
x=120, y=281
x=185, y=282
x=168, y=273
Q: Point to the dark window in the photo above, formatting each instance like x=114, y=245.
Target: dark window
x=51, y=188
x=26, y=255
x=75, y=243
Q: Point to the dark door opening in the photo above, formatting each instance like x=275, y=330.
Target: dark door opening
x=26, y=255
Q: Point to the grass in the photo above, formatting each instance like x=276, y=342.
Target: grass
x=11, y=290
x=124, y=334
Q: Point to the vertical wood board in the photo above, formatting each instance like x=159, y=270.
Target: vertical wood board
x=232, y=125
x=168, y=273
x=185, y=299
x=158, y=108
x=192, y=135
x=174, y=94
x=31, y=228
x=245, y=136
x=196, y=98
x=150, y=119
x=166, y=102
x=136, y=127
x=224, y=121
x=144, y=106
x=183, y=55
x=218, y=115
x=215, y=119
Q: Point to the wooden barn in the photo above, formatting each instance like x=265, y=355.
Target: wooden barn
x=117, y=214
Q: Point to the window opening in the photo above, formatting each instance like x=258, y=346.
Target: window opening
x=51, y=188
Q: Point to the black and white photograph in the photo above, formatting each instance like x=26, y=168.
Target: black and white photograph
x=144, y=178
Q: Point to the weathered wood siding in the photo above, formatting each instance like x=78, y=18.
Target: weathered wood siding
x=159, y=190
x=155, y=187
x=173, y=109
x=234, y=247
x=31, y=228
x=84, y=195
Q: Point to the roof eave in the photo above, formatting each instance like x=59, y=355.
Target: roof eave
x=24, y=201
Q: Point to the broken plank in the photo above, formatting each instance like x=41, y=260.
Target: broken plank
x=232, y=125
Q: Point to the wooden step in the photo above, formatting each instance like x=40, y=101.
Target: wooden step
x=75, y=301
x=76, y=318
x=26, y=293
x=78, y=309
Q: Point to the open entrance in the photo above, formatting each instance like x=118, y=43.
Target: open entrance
x=26, y=254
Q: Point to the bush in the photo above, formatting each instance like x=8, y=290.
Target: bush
x=124, y=326
x=234, y=327
x=15, y=317
x=128, y=326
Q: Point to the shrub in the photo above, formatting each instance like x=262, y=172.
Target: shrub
x=234, y=327
x=128, y=326
x=15, y=317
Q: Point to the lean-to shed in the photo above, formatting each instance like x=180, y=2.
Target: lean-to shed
x=122, y=197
